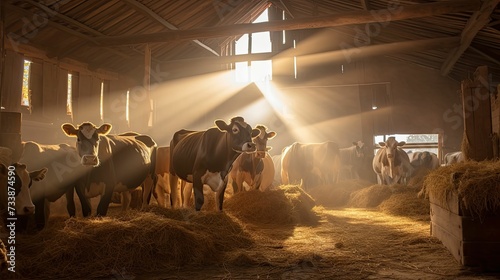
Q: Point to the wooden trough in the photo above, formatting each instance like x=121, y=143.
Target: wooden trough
x=472, y=239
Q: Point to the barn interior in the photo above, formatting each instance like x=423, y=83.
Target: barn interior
x=310, y=70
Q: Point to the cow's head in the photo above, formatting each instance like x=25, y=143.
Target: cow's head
x=87, y=140
x=261, y=141
x=240, y=134
x=391, y=146
x=19, y=181
x=359, y=148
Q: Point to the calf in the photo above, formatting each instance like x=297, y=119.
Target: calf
x=205, y=157
x=256, y=169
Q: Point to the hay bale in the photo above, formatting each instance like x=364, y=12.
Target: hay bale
x=336, y=195
x=138, y=242
x=285, y=205
x=477, y=185
x=405, y=204
x=370, y=197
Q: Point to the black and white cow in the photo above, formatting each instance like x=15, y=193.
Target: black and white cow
x=205, y=157
x=15, y=181
x=116, y=163
x=256, y=169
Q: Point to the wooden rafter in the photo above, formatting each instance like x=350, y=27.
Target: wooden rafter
x=476, y=22
x=348, y=18
x=346, y=55
x=154, y=16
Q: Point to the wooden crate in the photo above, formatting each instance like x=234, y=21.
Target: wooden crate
x=472, y=241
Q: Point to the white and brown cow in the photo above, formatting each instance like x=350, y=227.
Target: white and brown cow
x=310, y=164
x=256, y=170
x=391, y=163
x=453, y=157
x=115, y=163
x=351, y=159
x=205, y=157
x=423, y=161
x=15, y=181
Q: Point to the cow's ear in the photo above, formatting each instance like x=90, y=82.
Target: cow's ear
x=271, y=134
x=221, y=125
x=355, y=143
x=382, y=144
x=255, y=132
x=104, y=129
x=268, y=148
x=402, y=143
x=69, y=129
x=39, y=174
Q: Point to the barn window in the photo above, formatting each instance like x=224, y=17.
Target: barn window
x=260, y=42
x=25, y=99
x=69, y=97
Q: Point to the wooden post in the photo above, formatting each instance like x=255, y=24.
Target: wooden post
x=476, y=102
x=147, y=84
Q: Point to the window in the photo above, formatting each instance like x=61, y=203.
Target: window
x=69, y=97
x=254, y=71
x=25, y=99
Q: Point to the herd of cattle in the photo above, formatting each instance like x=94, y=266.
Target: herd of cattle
x=234, y=153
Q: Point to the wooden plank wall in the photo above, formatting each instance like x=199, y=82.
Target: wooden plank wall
x=477, y=116
x=12, y=81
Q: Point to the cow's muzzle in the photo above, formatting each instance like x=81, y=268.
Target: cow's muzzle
x=90, y=160
x=248, y=147
x=28, y=210
x=260, y=154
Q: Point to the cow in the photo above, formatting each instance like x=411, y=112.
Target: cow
x=114, y=162
x=205, y=157
x=15, y=181
x=351, y=160
x=453, y=157
x=277, y=168
x=310, y=164
x=256, y=169
x=391, y=163
x=64, y=173
x=423, y=161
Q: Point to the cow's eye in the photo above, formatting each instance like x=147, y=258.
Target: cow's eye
x=235, y=129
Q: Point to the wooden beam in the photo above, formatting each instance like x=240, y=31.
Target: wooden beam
x=154, y=16
x=366, y=5
x=327, y=57
x=347, y=18
x=475, y=23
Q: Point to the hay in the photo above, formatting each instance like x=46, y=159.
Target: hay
x=137, y=242
x=370, y=197
x=477, y=185
x=337, y=195
x=286, y=205
x=405, y=204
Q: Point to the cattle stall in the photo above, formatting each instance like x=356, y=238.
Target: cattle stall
x=240, y=139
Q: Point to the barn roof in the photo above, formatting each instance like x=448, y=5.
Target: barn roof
x=453, y=37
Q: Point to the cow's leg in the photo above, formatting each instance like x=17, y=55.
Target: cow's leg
x=102, y=208
x=70, y=202
x=187, y=191
x=174, y=191
x=219, y=195
x=199, y=198
x=84, y=200
x=147, y=189
x=40, y=216
x=126, y=198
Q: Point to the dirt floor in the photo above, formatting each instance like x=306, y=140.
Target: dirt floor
x=281, y=234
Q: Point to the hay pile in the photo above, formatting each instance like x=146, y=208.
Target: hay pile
x=477, y=185
x=288, y=204
x=370, y=197
x=136, y=242
x=337, y=195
